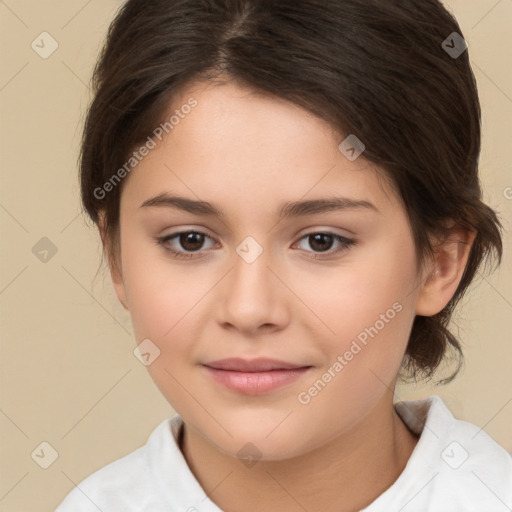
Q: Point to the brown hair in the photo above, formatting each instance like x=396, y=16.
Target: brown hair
x=370, y=68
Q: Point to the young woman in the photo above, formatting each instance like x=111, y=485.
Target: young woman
x=289, y=203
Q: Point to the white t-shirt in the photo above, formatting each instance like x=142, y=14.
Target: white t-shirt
x=455, y=467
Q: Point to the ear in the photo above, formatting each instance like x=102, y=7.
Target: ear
x=113, y=263
x=445, y=271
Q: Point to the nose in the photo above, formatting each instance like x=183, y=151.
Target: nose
x=252, y=296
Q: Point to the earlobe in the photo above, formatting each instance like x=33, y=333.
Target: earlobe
x=118, y=283
x=446, y=270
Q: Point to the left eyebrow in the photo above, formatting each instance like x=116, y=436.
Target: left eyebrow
x=288, y=210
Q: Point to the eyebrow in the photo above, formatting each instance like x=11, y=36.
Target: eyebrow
x=288, y=210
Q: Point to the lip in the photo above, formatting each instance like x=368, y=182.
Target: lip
x=261, y=364
x=256, y=376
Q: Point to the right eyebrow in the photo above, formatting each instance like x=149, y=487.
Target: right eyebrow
x=288, y=210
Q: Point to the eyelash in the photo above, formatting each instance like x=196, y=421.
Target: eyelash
x=346, y=244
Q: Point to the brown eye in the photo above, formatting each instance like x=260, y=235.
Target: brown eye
x=191, y=241
x=322, y=243
x=189, y=244
x=184, y=244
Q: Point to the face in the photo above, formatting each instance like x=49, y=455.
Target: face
x=276, y=325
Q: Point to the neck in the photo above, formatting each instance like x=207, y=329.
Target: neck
x=344, y=475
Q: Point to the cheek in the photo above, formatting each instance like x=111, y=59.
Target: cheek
x=161, y=294
x=362, y=358
x=367, y=310
x=164, y=303
x=368, y=287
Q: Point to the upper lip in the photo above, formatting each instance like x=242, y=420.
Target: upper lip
x=236, y=364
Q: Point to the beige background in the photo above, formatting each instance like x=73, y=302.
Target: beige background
x=68, y=375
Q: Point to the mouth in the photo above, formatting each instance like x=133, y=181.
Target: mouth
x=254, y=377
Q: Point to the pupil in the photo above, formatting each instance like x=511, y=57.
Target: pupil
x=322, y=246
x=191, y=241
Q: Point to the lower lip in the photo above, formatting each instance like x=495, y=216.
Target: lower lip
x=256, y=383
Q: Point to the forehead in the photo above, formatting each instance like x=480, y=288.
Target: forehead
x=247, y=149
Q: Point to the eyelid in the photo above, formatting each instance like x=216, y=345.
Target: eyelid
x=345, y=242
x=314, y=229
x=188, y=229
x=325, y=229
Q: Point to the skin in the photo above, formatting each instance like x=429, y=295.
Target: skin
x=248, y=154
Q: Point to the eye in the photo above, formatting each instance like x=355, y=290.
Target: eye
x=323, y=242
x=189, y=240
x=192, y=242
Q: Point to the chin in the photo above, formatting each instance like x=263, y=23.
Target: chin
x=256, y=440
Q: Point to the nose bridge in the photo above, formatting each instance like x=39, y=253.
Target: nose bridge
x=251, y=295
x=251, y=274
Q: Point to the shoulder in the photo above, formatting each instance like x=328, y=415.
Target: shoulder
x=455, y=466
x=474, y=471
x=127, y=483
x=465, y=446
x=471, y=453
